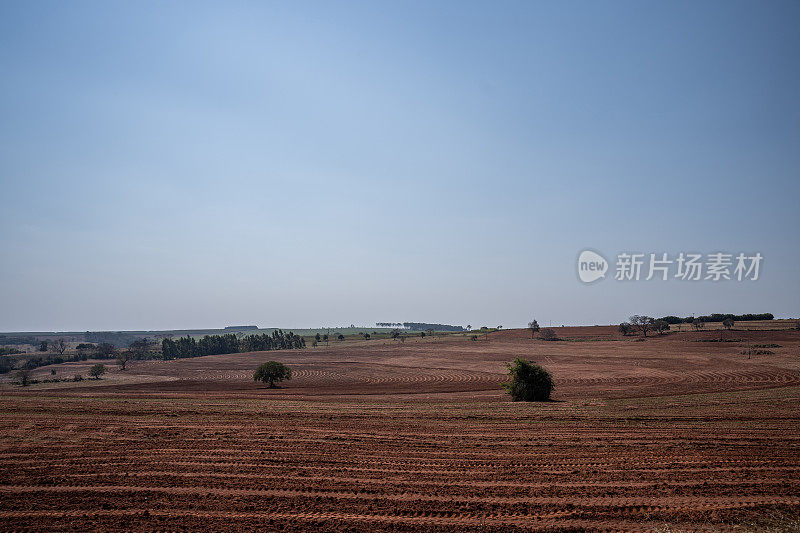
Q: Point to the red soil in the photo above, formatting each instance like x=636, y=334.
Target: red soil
x=375, y=435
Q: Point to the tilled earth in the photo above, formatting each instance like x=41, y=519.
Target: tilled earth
x=667, y=434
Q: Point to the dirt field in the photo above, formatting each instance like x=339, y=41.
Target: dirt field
x=680, y=432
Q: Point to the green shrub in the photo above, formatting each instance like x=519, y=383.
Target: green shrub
x=528, y=381
x=97, y=370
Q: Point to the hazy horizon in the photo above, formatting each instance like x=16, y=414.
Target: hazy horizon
x=192, y=165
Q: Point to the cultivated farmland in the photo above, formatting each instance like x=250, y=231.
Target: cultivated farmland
x=676, y=432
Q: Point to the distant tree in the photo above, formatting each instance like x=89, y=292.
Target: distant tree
x=548, y=334
x=97, y=370
x=340, y=337
x=77, y=377
x=395, y=333
x=698, y=324
x=422, y=334
x=528, y=381
x=469, y=327
x=24, y=377
x=625, y=328
x=105, y=350
x=140, y=348
x=122, y=359
x=325, y=338
x=367, y=336
x=728, y=323
x=316, y=337
x=797, y=325
x=84, y=349
x=60, y=346
x=431, y=332
x=314, y=344
x=499, y=327
x=473, y=337
x=533, y=325
x=642, y=322
x=661, y=326
x=43, y=346
x=272, y=372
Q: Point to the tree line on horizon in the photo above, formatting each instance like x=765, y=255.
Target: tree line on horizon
x=717, y=317
x=185, y=347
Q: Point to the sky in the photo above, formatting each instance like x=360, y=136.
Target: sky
x=303, y=164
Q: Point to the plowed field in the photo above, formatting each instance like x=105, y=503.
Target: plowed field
x=680, y=432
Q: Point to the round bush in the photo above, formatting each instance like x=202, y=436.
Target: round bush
x=528, y=382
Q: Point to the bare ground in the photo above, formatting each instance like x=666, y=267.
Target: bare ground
x=670, y=433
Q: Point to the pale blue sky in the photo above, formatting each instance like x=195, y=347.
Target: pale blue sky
x=168, y=165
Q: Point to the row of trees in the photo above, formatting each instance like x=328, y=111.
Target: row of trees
x=229, y=343
x=717, y=317
x=643, y=324
x=424, y=326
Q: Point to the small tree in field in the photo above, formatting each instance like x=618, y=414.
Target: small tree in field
x=642, y=322
x=59, y=346
x=528, y=382
x=661, y=326
x=24, y=377
x=625, y=328
x=698, y=324
x=534, y=327
x=728, y=323
x=272, y=372
x=122, y=359
x=97, y=370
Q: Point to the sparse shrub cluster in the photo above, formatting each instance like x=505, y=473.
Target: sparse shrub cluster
x=643, y=323
x=757, y=352
x=549, y=334
x=229, y=343
x=8, y=351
